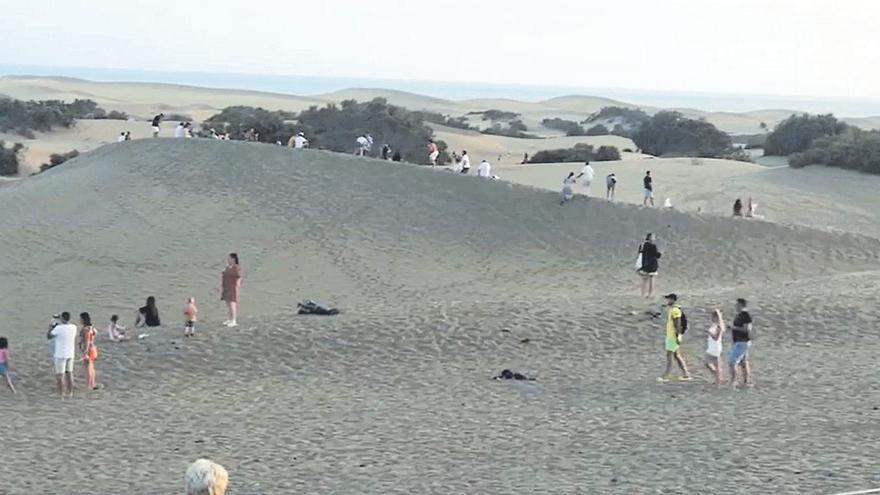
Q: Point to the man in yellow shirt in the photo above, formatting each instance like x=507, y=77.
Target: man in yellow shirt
x=674, y=333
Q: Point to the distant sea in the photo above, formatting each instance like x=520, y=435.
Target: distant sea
x=313, y=85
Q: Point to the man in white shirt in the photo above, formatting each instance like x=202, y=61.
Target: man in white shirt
x=180, y=131
x=465, y=162
x=587, y=173
x=300, y=141
x=63, y=336
x=484, y=170
x=362, y=145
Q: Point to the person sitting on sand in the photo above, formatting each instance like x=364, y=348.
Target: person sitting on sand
x=190, y=315
x=128, y=135
x=714, y=334
x=738, y=208
x=397, y=157
x=512, y=375
x=148, y=315
x=674, y=334
x=567, y=184
x=115, y=331
x=649, y=265
x=484, y=170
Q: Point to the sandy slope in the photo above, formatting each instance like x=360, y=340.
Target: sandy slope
x=441, y=278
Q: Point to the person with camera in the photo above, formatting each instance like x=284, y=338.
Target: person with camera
x=63, y=335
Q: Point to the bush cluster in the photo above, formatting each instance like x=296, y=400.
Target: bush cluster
x=496, y=115
x=56, y=159
x=237, y=120
x=581, y=152
x=598, y=130
x=445, y=120
x=670, y=133
x=797, y=133
x=9, y=163
x=854, y=149
x=569, y=127
x=515, y=129
x=27, y=117
x=630, y=116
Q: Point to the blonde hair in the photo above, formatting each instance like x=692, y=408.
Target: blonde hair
x=718, y=318
x=204, y=477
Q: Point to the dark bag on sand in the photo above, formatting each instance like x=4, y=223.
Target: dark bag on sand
x=309, y=307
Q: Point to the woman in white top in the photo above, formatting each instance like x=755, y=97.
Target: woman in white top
x=567, y=192
x=713, y=345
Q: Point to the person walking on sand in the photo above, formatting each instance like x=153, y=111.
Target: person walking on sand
x=610, y=185
x=465, y=162
x=741, y=334
x=4, y=363
x=231, y=284
x=190, y=315
x=88, y=349
x=567, y=192
x=115, y=331
x=157, y=121
x=714, y=334
x=649, y=265
x=648, y=182
x=674, y=333
x=588, y=174
x=433, y=152
x=63, y=336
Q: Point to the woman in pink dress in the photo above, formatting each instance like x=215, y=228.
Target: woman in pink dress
x=230, y=288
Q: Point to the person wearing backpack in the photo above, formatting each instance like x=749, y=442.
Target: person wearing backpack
x=676, y=326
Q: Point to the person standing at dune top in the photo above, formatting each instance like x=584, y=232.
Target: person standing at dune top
x=588, y=174
x=231, y=284
x=465, y=162
x=610, y=186
x=121, y=137
x=157, y=121
x=433, y=152
x=362, y=145
x=63, y=336
x=648, y=182
x=649, y=265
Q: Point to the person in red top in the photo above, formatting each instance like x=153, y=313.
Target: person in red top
x=433, y=152
x=89, y=349
x=230, y=288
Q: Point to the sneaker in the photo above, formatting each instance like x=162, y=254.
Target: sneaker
x=232, y=324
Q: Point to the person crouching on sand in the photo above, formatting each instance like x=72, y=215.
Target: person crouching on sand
x=714, y=334
x=567, y=192
x=190, y=314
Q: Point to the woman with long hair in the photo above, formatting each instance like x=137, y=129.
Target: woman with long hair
x=713, y=344
x=89, y=349
x=649, y=265
x=231, y=283
x=148, y=315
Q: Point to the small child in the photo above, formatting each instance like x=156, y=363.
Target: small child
x=191, y=314
x=4, y=362
x=115, y=331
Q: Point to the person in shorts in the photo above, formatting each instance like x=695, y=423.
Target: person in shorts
x=63, y=336
x=648, y=182
x=610, y=186
x=157, y=120
x=190, y=314
x=741, y=333
x=433, y=152
x=674, y=334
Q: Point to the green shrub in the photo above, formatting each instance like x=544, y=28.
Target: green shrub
x=515, y=129
x=581, y=152
x=496, y=115
x=630, y=116
x=445, y=120
x=621, y=131
x=178, y=117
x=670, y=133
x=598, y=130
x=27, y=117
x=853, y=149
x=569, y=127
x=116, y=115
x=9, y=157
x=798, y=132
x=237, y=120
x=56, y=159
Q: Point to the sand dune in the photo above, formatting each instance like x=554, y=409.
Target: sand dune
x=441, y=278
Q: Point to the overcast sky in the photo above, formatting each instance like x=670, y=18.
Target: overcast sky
x=781, y=47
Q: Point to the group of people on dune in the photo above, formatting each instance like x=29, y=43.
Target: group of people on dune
x=66, y=338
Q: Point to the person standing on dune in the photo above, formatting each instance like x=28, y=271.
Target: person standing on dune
x=465, y=162
x=433, y=152
x=648, y=182
x=588, y=174
x=567, y=193
x=157, y=121
x=610, y=185
x=231, y=284
x=649, y=265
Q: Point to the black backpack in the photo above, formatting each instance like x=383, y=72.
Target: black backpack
x=684, y=323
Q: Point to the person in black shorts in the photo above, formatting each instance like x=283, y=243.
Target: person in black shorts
x=648, y=181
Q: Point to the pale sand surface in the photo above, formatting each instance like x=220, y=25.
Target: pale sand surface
x=440, y=278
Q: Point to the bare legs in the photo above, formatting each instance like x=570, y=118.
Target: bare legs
x=65, y=384
x=9, y=382
x=746, y=372
x=678, y=357
x=647, y=286
x=233, y=313
x=713, y=364
x=91, y=375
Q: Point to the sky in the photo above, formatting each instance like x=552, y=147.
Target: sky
x=766, y=47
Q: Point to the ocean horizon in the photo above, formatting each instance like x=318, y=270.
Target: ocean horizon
x=316, y=85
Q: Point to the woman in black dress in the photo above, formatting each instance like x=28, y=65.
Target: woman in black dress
x=650, y=265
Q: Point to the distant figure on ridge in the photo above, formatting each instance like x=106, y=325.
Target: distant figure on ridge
x=121, y=137
x=386, y=152
x=180, y=130
x=751, y=210
x=157, y=121
x=610, y=185
x=738, y=208
x=648, y=182
x=484, y=170
x=363, y=145
x=567, y=192
x=588, y=174
x=433, y=152
x=128, y=135
x=396, y=157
